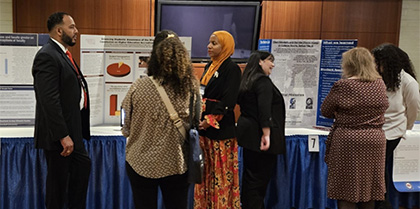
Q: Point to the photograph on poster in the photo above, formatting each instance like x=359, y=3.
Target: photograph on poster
x=143, y=61
x=141, y=71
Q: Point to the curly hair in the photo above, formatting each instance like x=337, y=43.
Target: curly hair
x=170, y=65
x=390, y=60
x=160, y=36
x=359, y=62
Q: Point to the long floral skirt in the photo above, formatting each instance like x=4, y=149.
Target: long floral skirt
x=220, y=187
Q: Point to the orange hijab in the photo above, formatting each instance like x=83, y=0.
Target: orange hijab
x=228, y=47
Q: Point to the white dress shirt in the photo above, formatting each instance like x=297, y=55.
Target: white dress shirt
x=82, y=98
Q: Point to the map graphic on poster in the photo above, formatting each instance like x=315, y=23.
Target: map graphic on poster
x=304, y=73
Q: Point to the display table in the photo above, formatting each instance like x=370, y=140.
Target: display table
x=299, y=181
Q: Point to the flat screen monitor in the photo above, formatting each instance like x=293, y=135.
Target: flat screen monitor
x=198, y=19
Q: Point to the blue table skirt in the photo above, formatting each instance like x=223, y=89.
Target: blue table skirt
x=298, y=182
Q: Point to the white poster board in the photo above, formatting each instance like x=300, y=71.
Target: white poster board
x=111, y=64
x=406, y=166
x=17, y=97
x=304, y=72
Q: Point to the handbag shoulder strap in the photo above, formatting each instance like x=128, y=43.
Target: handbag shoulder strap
x=172, y=113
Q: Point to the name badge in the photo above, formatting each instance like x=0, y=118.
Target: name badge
x=202, y=88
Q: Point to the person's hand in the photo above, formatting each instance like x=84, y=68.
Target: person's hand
x=203, y=125
x=68, y=146
x=265, y=142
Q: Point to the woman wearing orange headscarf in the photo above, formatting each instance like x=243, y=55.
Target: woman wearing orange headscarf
x=219, y=88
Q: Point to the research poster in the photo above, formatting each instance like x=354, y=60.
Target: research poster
x=330, y=71
x=406, y=166
x=111, y=64
x=17, y=97
x=17, y=105
x=16, y=57
x=304, y=72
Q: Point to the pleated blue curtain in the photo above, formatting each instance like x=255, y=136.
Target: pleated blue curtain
x=299, y=181
x=23, y=173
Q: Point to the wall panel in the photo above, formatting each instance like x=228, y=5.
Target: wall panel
x=136, y=32
x=136, y=15
x=370, y=21
x=100, y=17
x=361, y=15
x=108, y=14
x=291, y=16
x=28, y=14
x=84, y=13
x=292, y=35
x=49, y=7
x=6, y=16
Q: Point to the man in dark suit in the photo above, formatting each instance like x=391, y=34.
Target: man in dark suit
x=62, y=116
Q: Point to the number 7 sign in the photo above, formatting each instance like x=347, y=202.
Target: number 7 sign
x=313, y=143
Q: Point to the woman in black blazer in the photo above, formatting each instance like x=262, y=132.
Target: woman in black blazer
x=219, y=88
x=260, y=128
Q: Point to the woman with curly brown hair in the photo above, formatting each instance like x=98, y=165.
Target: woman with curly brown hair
x=156, y=150
x=403, y=95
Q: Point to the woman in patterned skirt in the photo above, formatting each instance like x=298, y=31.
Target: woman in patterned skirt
x=355, y=152
x=219, y=86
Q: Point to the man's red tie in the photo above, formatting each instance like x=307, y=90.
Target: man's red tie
x=72, y=61
x=78, y=76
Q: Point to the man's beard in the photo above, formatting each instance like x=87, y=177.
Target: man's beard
x=66, y=39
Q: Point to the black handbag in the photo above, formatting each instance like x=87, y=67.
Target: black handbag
x=195, y=156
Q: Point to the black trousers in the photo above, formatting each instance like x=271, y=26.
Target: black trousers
x=67, y=179
x=258, y=169
x=390, y=147
x=145, y=190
